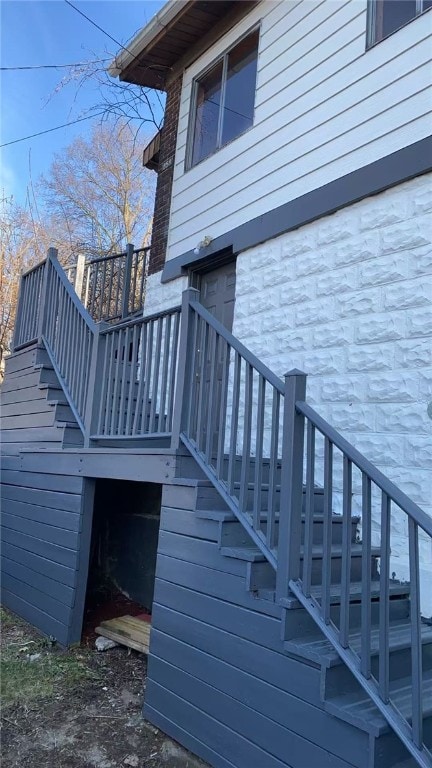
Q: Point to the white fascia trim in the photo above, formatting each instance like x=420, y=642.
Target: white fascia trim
x=146, y=36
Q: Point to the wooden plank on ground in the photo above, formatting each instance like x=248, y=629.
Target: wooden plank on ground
x=127, y=630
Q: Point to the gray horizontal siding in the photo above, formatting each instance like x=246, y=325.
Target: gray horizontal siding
x=69, y=502
x=268, y=736
x=289, y=711
x=217, y=673
x=69, y=521
x=44, y=560
x=43, y=481
x=39, y=618
x=47, y=586
x=201, y=579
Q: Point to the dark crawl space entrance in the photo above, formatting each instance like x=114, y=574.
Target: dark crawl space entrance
x=122, y=562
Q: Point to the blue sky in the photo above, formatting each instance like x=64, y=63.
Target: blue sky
x=35, y=32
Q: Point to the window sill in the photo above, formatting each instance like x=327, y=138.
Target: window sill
x=395, y=31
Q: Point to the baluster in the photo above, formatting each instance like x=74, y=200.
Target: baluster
x=122, y=414
x=172, y=371
x=156, y=384
x=384, y=605
x=142, y=377
x=309, y=510
x=416, y=638
x=202, y=399
x=147, y=378
x=134, y=361
x=327, y=530
x=273, y=467
x=116, y=390
x=127, y=280
x=210, y=428
x=220, y=460
x=346, y=554
x=108, y=405
x=162, y=427
x=291, y=493
x=257, y=497
x=366, y=599
x=247, y=426
x=232, y=459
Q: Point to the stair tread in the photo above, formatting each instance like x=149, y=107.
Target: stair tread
x=254, y=554
x=357, y=705
x=321, y=648
x=251, y=554
x=356, y=591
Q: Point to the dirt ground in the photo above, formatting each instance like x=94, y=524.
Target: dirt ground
x=77, y=708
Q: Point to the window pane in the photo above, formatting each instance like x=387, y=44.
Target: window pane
x=207, y=114
x=240, y=88
x=396, y=13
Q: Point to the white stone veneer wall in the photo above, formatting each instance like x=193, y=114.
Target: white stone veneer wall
x=348, y=299
x=160, y=297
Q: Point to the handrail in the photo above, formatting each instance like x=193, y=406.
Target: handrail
x=33, y=269
x=72, y=295
x=366, y=466
x=238, y=346
x=139, y=320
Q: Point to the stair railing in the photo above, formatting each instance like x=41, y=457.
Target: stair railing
x=69, y=336
x=29, y=306
x=366, y=651
x=228, y=413
x=137, y=364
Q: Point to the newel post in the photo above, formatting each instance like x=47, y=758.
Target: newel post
x=52, y=255
x=291, y=484
x=79, y=275
x=94, y=383
x=183, y=391
x=127, y=280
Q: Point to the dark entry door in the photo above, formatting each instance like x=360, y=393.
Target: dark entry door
x=218, y=293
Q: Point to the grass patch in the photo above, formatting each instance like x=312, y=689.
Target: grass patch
x=24, y=680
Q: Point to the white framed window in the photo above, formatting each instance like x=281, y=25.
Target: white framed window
x=387, y=16
x=223, y=100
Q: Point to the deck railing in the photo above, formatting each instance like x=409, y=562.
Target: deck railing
x=138, y=364
x=111, y=287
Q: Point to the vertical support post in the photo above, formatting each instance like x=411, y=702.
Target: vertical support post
x=184, y=372
x=291, y=494
x=94, y=384
x=127, y=280
x=52, y=255
x=18, y=315
x=79, y=275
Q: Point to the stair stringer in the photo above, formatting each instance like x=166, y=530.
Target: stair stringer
x=49, y=363
x=231, y=502
x=351, y=661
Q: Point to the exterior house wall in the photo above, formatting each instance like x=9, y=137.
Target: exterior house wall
x=348, y=299
x=331, y=109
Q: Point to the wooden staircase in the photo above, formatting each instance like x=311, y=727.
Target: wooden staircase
x=341, y=694
x=271, y=473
